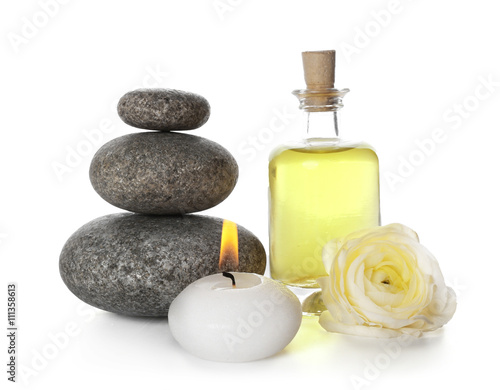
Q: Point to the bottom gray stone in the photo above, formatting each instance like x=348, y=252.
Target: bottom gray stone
x=137, y=264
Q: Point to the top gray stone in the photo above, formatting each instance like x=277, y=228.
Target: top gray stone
x=163, y=109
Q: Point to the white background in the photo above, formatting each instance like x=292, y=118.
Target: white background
x=412, y=67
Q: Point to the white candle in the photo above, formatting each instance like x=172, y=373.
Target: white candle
x=255, y=319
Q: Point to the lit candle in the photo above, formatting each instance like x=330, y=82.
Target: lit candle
x=234, y=316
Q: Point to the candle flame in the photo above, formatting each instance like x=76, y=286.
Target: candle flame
x=228, y=259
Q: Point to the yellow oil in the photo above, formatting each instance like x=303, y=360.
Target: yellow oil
x=317, y=193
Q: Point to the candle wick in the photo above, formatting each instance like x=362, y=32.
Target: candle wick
x=230, y=276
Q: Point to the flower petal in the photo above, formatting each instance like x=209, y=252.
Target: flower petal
x=329, y=324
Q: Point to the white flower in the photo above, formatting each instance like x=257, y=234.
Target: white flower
x=383, y=283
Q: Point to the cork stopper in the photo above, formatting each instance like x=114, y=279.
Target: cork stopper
x=319, y=74
x=319, y=69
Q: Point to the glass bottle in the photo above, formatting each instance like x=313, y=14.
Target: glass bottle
x=320, y=188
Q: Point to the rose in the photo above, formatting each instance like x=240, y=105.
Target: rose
x=383, y=283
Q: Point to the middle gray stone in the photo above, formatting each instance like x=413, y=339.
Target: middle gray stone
x=163, y=173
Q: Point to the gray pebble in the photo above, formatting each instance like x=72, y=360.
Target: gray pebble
x=163, y=173
x=163, y=109
x=137, y=264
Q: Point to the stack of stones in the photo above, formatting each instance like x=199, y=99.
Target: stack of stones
x=136, y=263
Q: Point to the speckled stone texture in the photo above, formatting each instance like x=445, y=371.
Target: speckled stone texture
x=163, y=173
x=163, y=109
x=137, y=264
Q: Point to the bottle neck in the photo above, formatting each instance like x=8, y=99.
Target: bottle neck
x=322, y=124
x=321, y=110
